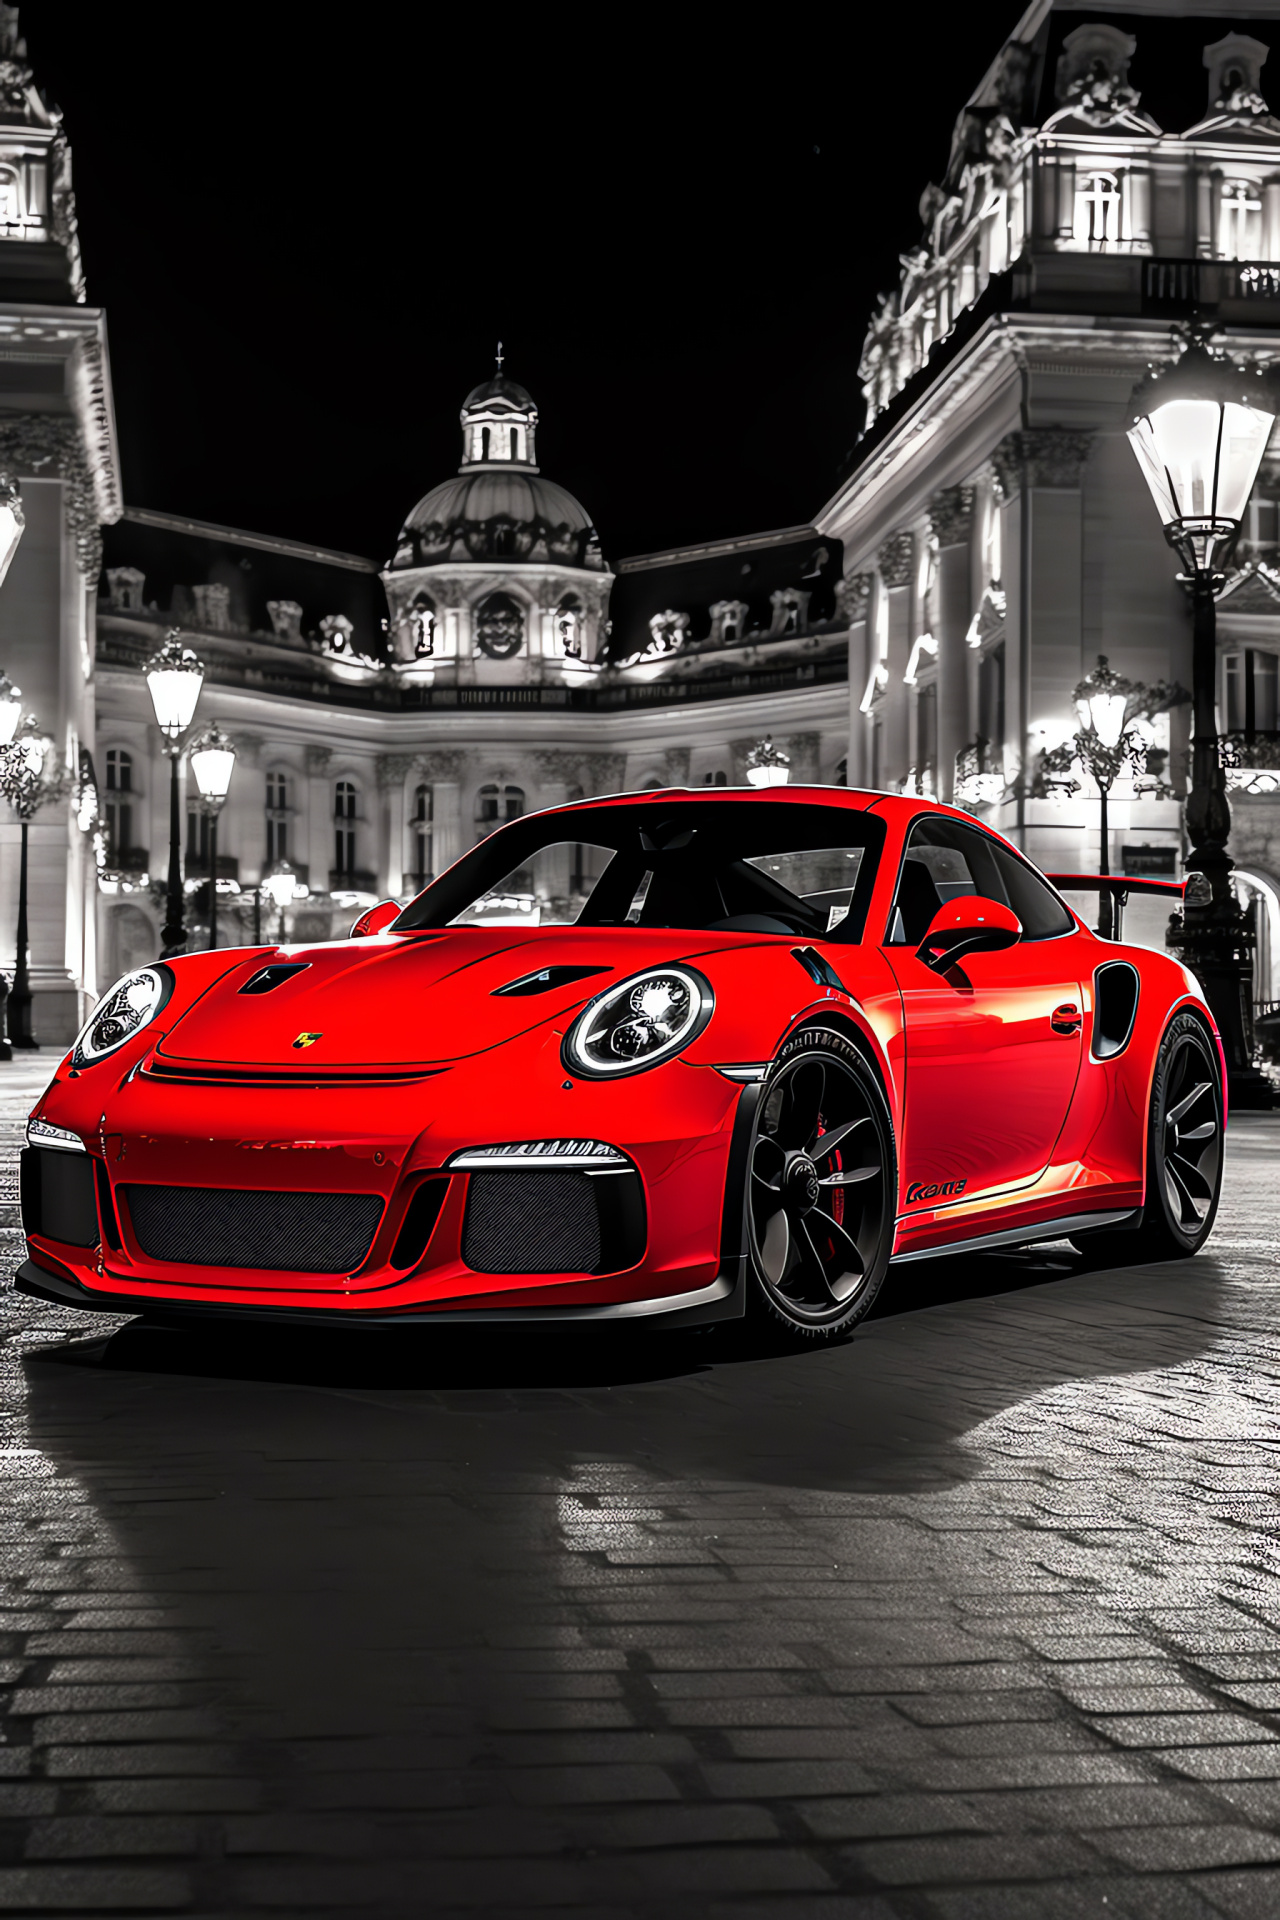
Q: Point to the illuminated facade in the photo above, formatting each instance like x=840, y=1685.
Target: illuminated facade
x=1110, y=176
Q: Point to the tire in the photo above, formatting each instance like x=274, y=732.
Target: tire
x=1184, y=1153
x=822, y=1189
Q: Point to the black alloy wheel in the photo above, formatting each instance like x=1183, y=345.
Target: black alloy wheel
x=1184, y=1152
x=822, y=1186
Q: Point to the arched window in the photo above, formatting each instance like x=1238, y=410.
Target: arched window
x=495, y=805
x=569, y=626
x=277, y=817
x=420, y=838
x=515, y=443
x=499, y=624
x=484, y=443
x=1240, y=224
x=119, y=806
x=344, y=831
x=1097, y=222
x=422, y=627
x=10, y=199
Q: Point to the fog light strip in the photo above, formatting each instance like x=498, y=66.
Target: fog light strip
x=540, y=1153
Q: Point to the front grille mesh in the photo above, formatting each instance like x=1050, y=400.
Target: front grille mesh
x=532, y=1223
x=231, y=1227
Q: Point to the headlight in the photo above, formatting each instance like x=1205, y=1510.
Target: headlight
x=638, y=1023
x=130, y=1006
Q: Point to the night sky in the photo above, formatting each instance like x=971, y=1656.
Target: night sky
x=309, y=228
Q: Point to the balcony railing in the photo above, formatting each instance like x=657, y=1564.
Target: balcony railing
x=1179, y=287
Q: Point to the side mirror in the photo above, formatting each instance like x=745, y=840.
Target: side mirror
x=374, y=919
x=970, y=924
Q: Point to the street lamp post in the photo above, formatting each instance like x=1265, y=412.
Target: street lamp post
x=212, y=758
x=174, y=678
x=1201, y=426
x=28, y=779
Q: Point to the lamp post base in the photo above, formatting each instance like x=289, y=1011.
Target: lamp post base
x=1217, y=948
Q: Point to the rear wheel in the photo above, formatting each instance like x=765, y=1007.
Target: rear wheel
x=822, y=1187
x=1184, y=1152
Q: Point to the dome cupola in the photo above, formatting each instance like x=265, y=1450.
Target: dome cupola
x=499, y=421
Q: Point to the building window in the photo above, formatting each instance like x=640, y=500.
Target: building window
x=495, y=805
x=484, y=443
x=717, y=779
x=991, y=698
x=569, y=626
x=10, y=198
x=499, y=620
x=277, y=817
x=1240, y=222
x=420, y=838
x=119, y=804
x=344, y=828
x=1252, y=689
x=1097, y=221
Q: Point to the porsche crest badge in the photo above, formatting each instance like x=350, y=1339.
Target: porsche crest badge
x=307, y=1039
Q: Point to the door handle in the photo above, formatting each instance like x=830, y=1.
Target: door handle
x=1067, y=1018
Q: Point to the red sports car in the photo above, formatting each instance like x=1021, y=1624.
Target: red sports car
x=673, y=1056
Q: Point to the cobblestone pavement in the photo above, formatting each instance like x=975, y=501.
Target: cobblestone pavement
x=975, y=1616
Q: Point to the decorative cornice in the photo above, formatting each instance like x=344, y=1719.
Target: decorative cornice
x=951, y=515
x=90, y=390
x=853, y=595
x=394, y=769
x=896, y=559
x=1042, y=457
x=675, y=762
x=34, y=444
x=440, y=763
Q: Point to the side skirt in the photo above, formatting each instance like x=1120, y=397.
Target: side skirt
x=1022, y=1236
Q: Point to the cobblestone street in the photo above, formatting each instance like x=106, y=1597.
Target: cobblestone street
x=975, y=1616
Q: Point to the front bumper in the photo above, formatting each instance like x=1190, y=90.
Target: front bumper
x=677, y=1127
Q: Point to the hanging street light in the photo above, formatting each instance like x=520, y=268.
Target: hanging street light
x=767, y=765
x=212, y=758
x=174, y=679
x=1201, y=426
x=282, y=889
x=12, y=522
x=29, y=778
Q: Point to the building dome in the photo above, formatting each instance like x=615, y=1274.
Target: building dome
x=499, y=507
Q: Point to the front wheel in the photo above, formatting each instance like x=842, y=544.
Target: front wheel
x=822, y=1187
x=1184, y=1152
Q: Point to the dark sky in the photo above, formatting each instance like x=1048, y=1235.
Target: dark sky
x=309, y=227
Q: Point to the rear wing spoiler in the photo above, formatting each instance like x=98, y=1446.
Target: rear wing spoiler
x=1119, y=884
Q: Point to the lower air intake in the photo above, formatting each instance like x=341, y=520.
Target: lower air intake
x=288, y=1232
x=550, y=1222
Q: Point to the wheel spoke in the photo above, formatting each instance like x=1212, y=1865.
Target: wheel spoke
x=1175, y=1113
x=799, y=1121
x=1191, y=1177
x=851, y=1177
x=1184, y=1202
x=844, y=1243
x=828, y=1142
x=775, y=1247
x=811, y=1260
x=1205, y=1132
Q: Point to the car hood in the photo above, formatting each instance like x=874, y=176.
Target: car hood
x=404, y=1000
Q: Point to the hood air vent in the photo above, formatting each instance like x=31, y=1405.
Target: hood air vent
x=267, y=979
x=541, y=982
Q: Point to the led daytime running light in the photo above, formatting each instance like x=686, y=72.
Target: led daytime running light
x=639, y=1023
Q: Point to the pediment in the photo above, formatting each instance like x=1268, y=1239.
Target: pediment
x=1254, y=589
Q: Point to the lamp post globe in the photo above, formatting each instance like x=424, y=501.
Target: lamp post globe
x=212, y=758
x=281, y=888
x=1200, y=428
x=174, y=679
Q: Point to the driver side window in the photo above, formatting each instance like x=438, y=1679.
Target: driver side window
x=943, y=860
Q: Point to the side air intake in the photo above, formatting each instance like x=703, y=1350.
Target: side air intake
x=1115, y=1007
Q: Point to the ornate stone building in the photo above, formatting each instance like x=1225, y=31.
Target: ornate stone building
x=1114, y=172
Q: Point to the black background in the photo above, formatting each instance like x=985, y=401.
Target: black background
x=308, y=229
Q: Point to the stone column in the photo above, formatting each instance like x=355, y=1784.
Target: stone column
x=244, y=833
x=1041, y=470
x=319, y=840
x=951, y=518
x=393, y=771
x=896, y=560
x=853, y=598
x=441, y=770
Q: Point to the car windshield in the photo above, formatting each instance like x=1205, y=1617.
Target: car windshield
x=731, y=866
